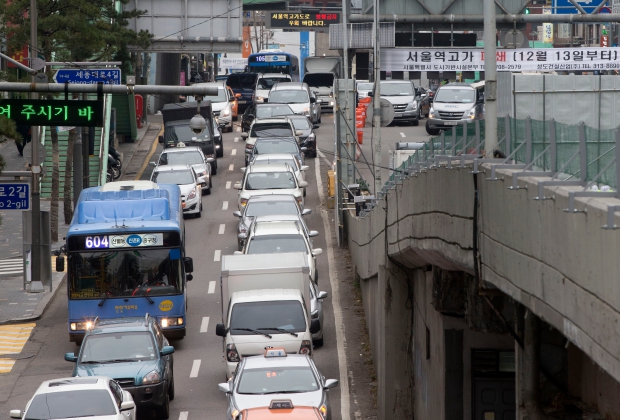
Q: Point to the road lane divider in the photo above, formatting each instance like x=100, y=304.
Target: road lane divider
x=236, y=140
x=231, y=167
x=402, y=135
x=222, y=228
x=217, y=255
x=195, y=369
x=204, y=326
x=225, y=205
x=228, y=184
x=183, y=415
x=233, y=152
x=211, y=287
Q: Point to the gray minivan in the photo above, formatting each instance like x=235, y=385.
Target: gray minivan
x=454, y=104
x=402, y=95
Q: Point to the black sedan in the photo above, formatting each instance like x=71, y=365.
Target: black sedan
x=260, y=111
x=308, y=138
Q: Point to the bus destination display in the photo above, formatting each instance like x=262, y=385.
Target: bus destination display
x=123, y=241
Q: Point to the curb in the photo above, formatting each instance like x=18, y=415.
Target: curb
x=41, y=307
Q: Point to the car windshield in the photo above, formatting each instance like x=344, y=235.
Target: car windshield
x=181, y=158
x=279, y=159
x=365, y=86
x=275, y=147
x=268, y=111
x=289, y=96
x=177, y=133
x=277, y=379
x=181, y=177
x=301, y=123
x=268, y=82
x=247, y=81
x=270, y=181
x=111, y=347
x=262, y=316
x=271, y=130
x=130, y=273
x=68, y=404
x=396, y=89
x=452, y=95
x=220, y=97
x=267, y=208
x=275, y=244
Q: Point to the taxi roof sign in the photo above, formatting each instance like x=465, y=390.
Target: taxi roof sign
x=279, y=352
x=180, y=144
x=280, y=404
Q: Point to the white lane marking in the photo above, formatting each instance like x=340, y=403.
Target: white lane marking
x=228, y=184
x=402, y=134
x=183, y=415
x=222, y=227
x=330, y=164
x=236, y=140
x=233, y=152
x=238, y=128
x=231, y=167
x=211, y=287
x=217, y=255
x=205, y=324
x=225, y=205
x=333, y=281
x=195, y=369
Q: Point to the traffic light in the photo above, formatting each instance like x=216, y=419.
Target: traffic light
x=527, y=10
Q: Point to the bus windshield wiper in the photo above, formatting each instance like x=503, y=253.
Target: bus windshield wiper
x=105, y=297
x=282, y=330
x=145, y=293
x=252, y=331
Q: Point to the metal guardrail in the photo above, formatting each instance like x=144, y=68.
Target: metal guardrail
x=541, y=149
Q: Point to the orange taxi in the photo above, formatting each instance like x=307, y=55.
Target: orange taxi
x=280, y=410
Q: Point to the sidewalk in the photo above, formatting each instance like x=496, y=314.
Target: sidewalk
x=17, y=305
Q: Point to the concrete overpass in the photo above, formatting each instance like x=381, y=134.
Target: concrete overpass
x=459, y=272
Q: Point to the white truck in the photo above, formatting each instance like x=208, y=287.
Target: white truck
x=265, y=303
x=319, y=74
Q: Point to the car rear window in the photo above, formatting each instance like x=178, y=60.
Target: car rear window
x=242, y=80
x=68, y=404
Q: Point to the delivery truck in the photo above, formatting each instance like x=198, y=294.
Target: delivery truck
x=266, y=303
x=319, y=74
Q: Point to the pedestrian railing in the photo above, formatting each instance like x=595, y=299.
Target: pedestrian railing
x=567, y=155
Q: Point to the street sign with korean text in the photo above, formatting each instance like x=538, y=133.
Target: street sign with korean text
x=615, y=6
x=88, y=76
x=519, y=59
x=565, y=7
x=302, y=21
x=15, y=196
x=43, y=112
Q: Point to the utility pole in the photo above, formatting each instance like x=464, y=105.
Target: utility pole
x=376, y=102
x=35, y=284
x=490, y=76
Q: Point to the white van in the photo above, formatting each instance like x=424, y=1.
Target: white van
x=454, y=104
x=264, y=83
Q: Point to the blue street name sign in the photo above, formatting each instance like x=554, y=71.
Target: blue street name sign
x=565, y=7
x=15, y=196
x=88, y=76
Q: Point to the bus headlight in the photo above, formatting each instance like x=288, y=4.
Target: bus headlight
x=171, y=322
x=80, y=326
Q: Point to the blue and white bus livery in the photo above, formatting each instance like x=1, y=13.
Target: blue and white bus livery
x=126, y=256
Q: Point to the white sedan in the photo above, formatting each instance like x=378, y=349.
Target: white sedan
x=275, y=178
x=95, y=397
x=187, y=180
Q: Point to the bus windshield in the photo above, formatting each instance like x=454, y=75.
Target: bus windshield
x=124, y=273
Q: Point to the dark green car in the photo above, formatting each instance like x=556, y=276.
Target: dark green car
x=135, y=353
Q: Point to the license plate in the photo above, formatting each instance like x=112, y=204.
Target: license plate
x=241, y=102
x=451, y=122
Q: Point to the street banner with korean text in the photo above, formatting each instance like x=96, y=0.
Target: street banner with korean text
x=520, y=59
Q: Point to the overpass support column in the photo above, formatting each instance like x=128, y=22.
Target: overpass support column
x=528, y=368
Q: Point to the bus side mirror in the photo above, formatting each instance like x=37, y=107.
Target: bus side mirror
x=60, y=264
x=188, y=262
x=160, y=139
x=294, y=67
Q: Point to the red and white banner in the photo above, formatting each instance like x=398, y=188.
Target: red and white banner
x=520, y=59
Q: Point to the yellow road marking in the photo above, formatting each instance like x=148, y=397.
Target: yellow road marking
x=13, y=338
x=146, y=161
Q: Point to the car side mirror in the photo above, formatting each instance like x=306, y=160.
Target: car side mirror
x=128, y=405
x=188, y=263
x=16, y=414
x=160, y=139
x=312, y=100
x=313, y=233
x=153, y=163
x=317, y=251
x=242, y=169
x=70, y=357
x=315, y=326
x=237, y=213
x=316, y=125
x=166, y=350
x=330, y=383
x=237, y=185
x=238, y=253
x=224, y=387
x=242, y=236
x=210, y=160
x=370, y=94
x=322, y=295
x=220, y=330
x=244, y=135
x=202, y=180
x=189, y=277
x=304, y=167
x=303, y=149
x=60, y=264
x=303, y=184
x=306, y=212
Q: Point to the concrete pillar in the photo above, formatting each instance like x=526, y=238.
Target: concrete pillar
x=531, y=368
x=167, y=73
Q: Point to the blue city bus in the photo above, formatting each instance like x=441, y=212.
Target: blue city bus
x=126, y=256
x=274, y=61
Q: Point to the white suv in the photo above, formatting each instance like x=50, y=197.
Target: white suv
x=276, y=178
x=95, y=397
